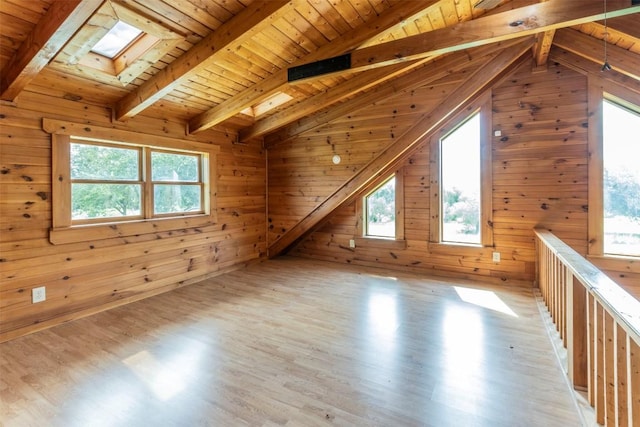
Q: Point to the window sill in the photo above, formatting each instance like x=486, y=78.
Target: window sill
x=90, y=232
x=377, y=242
x=616, y=262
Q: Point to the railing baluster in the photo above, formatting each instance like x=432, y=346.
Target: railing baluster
x=590, y=306
x=599, y=368
x=622, y=397
x=609, y=370
x=634, y=382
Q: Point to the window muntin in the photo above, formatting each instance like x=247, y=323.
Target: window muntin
x=380, y=210
x=123, y=182
x=621, y=179
x=460, y=183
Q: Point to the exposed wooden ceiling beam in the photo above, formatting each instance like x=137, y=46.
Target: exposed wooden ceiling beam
x=330, y=96
x=395, y=153
x=231, y=34
x=533, y=19
x=434, y=70
x=625, y=24
x=50, y=34
x=542, y=47
x=267, y=87
x=588, y=47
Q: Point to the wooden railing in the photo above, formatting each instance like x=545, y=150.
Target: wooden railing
x=599, y=324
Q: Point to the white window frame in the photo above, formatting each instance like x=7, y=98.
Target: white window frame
x=64, y=230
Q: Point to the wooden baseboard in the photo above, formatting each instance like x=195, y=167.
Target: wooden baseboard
x=26, y=330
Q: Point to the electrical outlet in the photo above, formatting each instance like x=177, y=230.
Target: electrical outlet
x=38, y=294
x=352, y=243
x=496, y=257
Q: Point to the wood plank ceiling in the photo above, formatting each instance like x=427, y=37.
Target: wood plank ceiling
x=224, y=63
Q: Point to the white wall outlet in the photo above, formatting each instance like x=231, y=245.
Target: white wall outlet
x=352, y=243
x=38, y=294
x=496, y=257
x=497, y=133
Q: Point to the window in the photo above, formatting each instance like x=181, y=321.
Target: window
x=116, y=40
x=117, y=45
x=460, y=183
x=110, y=181
x=380, y=214
x=621, y=178
x=461, y=180
x=380, y=210
x=103, y=187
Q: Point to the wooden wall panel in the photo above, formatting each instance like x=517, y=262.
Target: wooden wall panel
x=85, y=277
x=539, y=180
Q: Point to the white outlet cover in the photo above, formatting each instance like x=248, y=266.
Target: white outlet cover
x=38, y=294
x=496, y=257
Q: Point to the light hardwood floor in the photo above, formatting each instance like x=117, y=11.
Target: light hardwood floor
x=298, y=343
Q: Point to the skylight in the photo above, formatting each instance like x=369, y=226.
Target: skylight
x=116, y=40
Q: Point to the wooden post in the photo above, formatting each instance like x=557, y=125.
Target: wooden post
x=591, y=339
x=609, y=370
x=622, y=392
x=634, y=382
x=577, y=333
x=599, y=362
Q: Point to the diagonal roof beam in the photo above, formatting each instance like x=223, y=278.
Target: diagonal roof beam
x=484, y=77
x=398, y=13
x=540, y=17
x=231, y=34
x=592, y=49
x=50, y=34
x=437, y=68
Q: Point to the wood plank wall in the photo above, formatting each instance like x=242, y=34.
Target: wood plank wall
x=539, y=179
x=86, y=277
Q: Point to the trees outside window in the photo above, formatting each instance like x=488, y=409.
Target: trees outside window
x=380, y=210
x=621, y=178
x=460, y=183
x=128, y=182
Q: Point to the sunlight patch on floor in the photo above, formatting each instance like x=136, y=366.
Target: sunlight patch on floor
x=486, y=299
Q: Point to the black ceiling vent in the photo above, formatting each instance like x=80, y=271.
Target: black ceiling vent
x=318, y=68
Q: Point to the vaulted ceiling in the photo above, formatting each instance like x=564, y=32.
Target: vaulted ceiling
x=226, y=63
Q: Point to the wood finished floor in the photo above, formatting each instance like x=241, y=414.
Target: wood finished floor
x=298, y=343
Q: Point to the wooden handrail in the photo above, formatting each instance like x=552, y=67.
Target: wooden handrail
x=599, y=323
x=624, y=307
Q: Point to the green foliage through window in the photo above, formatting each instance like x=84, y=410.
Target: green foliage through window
x=109, y=181
x=460, y=183
x=380, y=208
